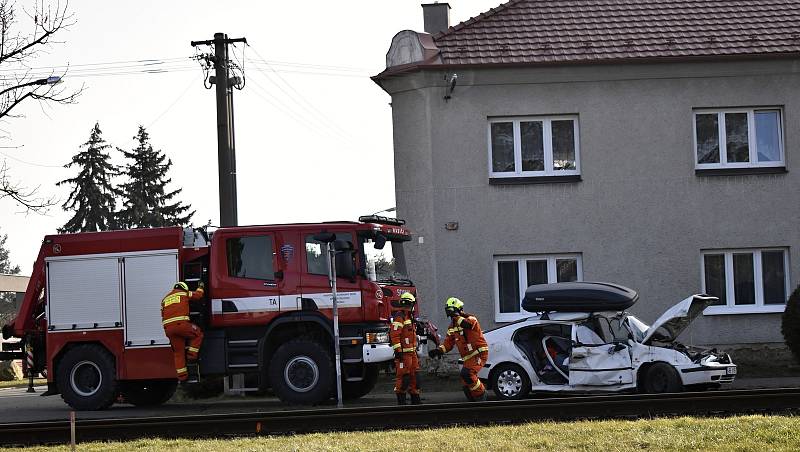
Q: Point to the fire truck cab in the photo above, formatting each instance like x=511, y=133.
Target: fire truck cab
x=92, y=309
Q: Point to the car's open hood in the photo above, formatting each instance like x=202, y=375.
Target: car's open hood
x=677, y=318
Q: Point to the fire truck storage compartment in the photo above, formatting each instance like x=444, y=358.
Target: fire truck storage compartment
x=111, y=291
x=147, y=279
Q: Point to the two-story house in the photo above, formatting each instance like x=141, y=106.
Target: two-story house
x=649, y=143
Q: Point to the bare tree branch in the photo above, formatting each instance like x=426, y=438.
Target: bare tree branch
x=17, y=49
x=48, y=19
x=26, y=197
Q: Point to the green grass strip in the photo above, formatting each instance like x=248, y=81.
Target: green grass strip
x=743, y=433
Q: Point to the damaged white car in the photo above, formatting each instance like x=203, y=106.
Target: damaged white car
x=582, y=340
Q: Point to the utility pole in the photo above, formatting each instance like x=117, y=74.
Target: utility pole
x=226, y=150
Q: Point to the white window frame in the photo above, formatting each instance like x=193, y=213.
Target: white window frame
x=752, y=144
x=547, y=140
x=730, y=306
x=522, y=269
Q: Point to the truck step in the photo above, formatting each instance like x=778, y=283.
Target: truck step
x=354, y=379
x=352, y=360
x=10, y=356
x=11, y=346
x=239, y=366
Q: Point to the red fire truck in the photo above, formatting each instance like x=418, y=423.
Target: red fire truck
x=92, y=309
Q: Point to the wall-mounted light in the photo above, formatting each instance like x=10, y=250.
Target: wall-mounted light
x=453, y=81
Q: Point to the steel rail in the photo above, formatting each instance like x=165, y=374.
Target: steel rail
x=383, y=417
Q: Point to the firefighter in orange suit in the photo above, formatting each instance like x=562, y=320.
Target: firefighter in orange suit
x=403, y=336
x=465, y=334
x=179, y=330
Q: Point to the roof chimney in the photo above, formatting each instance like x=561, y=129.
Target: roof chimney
x=436, y=16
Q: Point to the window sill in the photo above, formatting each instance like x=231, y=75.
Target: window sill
x=740, y=171
x=725, y=310
x=534, y=180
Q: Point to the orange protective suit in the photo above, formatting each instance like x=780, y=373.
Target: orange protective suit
x=179, y=330
x=465, y=334
x=403, y=336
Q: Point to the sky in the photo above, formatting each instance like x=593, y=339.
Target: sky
x=313, y=132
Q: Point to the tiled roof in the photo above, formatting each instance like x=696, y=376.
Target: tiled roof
x=555, y=31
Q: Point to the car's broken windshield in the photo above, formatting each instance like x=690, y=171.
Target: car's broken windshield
x=638, y=328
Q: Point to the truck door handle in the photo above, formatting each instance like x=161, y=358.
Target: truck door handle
x=270, y=284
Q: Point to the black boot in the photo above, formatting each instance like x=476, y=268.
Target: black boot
x=415, y=400
x=468, y=393
x=401, y=398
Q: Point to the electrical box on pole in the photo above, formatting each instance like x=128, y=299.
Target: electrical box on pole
x=226, y=149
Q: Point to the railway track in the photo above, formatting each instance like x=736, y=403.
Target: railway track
x=382, y=417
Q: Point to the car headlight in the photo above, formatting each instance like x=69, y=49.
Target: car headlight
x=380, y=337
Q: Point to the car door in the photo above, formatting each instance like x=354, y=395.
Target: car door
x=315, y=285
x=248, y=290
x=596, y=362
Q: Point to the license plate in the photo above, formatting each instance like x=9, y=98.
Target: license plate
x=730, y=371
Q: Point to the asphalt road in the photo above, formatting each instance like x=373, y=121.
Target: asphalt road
x=16, y=405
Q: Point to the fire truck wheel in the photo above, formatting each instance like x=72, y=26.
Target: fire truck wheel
x=148, y=392
x=301, y=372
x=355, y=389
x=86, y=377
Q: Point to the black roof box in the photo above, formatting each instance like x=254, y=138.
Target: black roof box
x=578, y=297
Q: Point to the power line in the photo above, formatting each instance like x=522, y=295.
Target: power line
x=175, y=102
x=166, y=65
x=154, y=121
x=309, y=65
x=298, y=117
x=322, y=118
x=41, y=165
x=105, y=63
x=168, y=108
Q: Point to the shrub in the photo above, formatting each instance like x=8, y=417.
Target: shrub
x=790, y=325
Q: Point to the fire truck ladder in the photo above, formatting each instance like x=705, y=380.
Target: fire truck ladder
x=242, y=358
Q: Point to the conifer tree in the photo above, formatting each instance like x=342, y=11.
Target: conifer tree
x=5, y=260
x=92, y=197
x=147, y=203
x=7, y=308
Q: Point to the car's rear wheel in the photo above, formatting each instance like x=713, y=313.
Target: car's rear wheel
x=660, y=378
x=510, y=382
